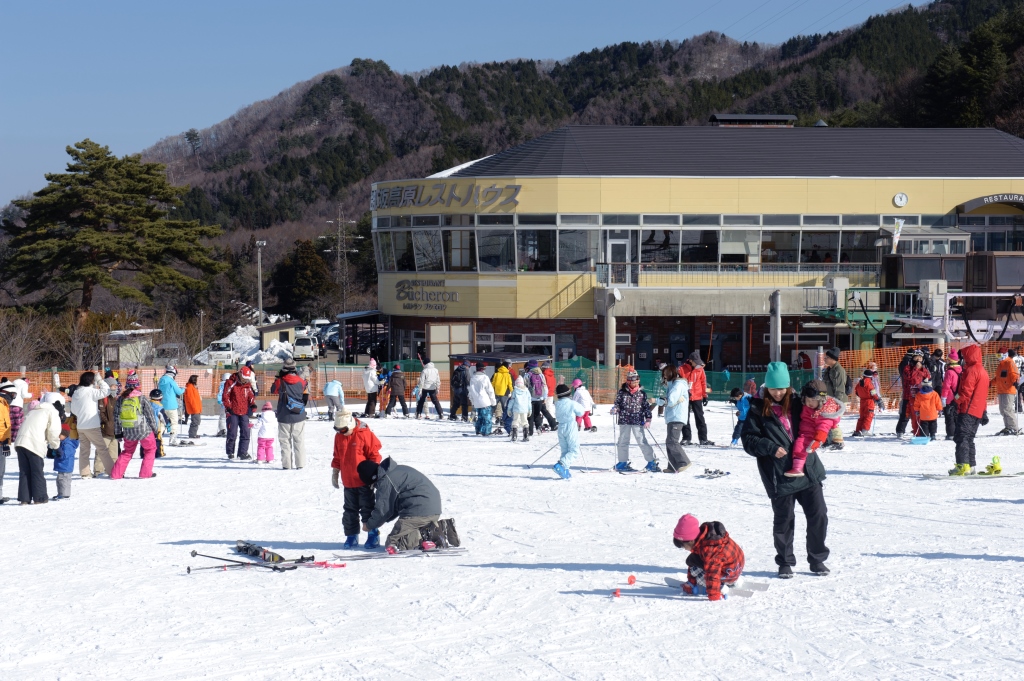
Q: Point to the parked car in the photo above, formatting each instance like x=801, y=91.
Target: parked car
x=319, y=325
x=304, y=348
x=332, y=340
x=221, y=351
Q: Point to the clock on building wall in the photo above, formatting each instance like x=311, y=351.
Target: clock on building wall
x=900, y=200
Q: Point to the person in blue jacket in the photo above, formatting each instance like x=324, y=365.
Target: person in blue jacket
x=566, y=411
x=742, y=402
x=334, y=395
x=676, y=402
x=521, y=408
x=64, y=463
x=169, y=387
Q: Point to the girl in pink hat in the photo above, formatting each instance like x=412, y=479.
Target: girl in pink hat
x=715, y=559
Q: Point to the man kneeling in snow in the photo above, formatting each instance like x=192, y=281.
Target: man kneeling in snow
x=403, y=493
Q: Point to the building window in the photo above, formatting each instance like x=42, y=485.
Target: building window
x=889, y=220
x=383, y=222
x=860, y=220
x=579, y=220
x=978, y=241
x=427, y=244
x=659, y=245
x=702, y=220
x=819, y=247
x=621, y=245
x=997, y=241
x=620, y=219
x=537, y=219
x=460, y=249
x=457, y=220
x=821, y=220
x=578, y=249
x=780, y=246
x=699, y=246
x=426, y=220
x=497, y=250
x=387, y=255
x=401, y=221
x=404, y=259
x=939, y=220
x=661, y=219
x=494, y=219
x=858, y=246
x=537, y=250
x=741, y=246
x=752, y=220
x=781, y=220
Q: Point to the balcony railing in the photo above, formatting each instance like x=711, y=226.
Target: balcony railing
x=733, y=274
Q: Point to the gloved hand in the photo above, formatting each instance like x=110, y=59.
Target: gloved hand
x=647, y=424
x=984, y=418
x=694, y=589
x=7, y=449
x=334, y=478
x=613, y=411
x=705, y=401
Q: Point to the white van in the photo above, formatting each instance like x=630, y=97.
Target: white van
x=304, y=348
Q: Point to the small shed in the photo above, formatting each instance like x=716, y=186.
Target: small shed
x=128, y=348
x=283, y=332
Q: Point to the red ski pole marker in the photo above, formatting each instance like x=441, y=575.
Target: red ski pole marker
x=632, y=580
x=616, y=593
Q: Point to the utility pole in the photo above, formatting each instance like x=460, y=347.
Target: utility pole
x=341, y=250
x=201, y=346
x=259, y=279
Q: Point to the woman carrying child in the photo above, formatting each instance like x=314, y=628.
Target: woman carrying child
x=772, y=425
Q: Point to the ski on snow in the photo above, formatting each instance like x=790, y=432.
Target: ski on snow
x=747, y=592
x=454, y=551
x=267, y=556
x=977, y=476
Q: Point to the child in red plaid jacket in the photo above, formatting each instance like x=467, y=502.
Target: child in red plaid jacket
x=715, y=559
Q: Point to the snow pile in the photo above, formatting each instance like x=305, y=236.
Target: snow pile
x=246, y=342
x=926, y=574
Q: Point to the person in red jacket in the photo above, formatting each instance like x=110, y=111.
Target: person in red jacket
x=971, y=408
x=913, y=374
x=693, y=371
x=867, y=391
x=353, y=444
x=549, y=380
x=715, y=559
x=238, y=400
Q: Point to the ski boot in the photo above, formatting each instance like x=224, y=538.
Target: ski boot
x=221, y=433
x=1004, y=431
x=515, y=434
x=857, y=433
x=526, y=435
x=960, y=469
x=351, y=541
x=820, y=569
x=392, y=550
x=652, y=467
x=707, y=443
x=593, y=429
x=427, y=545
x=624, y=467
x=372, y=540
x=562, y=471
x=994, y=468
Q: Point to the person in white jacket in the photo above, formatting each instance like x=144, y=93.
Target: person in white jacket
x=371, y=382
x=481, y=394
x=267, y=423
x=40, y=431
x=582, y=396
x=429, y=383
x=85, y=407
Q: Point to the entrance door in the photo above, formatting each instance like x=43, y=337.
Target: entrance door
x=679, y=347
x=619, y=263
x=644, y=352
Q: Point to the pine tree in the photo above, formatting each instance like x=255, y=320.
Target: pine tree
x=302, y=281
x=107, y=222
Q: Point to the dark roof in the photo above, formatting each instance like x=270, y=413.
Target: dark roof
x=752, y=118
x=719, y=151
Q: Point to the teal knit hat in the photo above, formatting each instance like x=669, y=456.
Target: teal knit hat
x=777, y=376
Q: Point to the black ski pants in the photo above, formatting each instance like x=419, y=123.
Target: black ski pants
x=238, y=428
x=950, y=413
x=966, y=429
x=697, y=410
x=357, y=508
x=31, y=482
x=395, y=397
x=432, y=394
x=901, y=423
x=929, y=428
x=540, y=412
x=812, y=501
x=460, y=400
x=371, y=404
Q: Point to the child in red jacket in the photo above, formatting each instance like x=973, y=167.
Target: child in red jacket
x=715, y=559
x=820, y=414
x=353, y=444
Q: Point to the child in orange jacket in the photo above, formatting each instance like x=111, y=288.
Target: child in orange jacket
x=353, y=444
x=867, y=391
x=928, y=406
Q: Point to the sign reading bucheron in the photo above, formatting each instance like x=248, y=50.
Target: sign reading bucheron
x=446, y=194
x=419, y=296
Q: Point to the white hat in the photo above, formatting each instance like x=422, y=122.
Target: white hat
x=226, y=376
x=344, y=419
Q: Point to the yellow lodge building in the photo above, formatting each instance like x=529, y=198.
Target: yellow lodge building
x=659, y=241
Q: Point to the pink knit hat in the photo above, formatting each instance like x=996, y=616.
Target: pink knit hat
x=577, y=383
x=373, y=363
x=267, y=406
x=687, y=528
x=954, y=355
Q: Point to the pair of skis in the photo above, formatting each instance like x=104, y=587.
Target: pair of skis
x=265, y=559
x=413, y=553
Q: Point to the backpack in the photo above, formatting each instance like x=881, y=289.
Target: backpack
x=537, y=385
x=459, y=379
x=131, y=412
x=293, y=405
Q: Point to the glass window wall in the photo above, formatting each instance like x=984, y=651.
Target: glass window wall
x=741, y=246
x=457, y=220
x=702, y=219
x=780, y=246
x=427, y=244
x=699, y=246
x=822, y=220
x=494, y=219
x=549, y=219
x=426, y=220
x=659, y=245
x=387, y=255
x=404, y=259
x=497, y=250
x=859, y=246
x=860, y=220
x=819, y=247
x=661, y=219
x=620, y=219
x=621, y=245
x=752, y=220
x=460, y=249
x=537, y=250
x=769, y=220
x=580, y=220
x=578, y=249
x=889, y=220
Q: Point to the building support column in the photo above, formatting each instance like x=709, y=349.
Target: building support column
x=776, y=326
x=609, y=336
x=743, y=338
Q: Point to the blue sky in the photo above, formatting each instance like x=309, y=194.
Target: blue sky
x=127, y=74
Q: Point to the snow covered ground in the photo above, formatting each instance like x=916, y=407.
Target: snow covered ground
x=927, y=575
x=246, y=342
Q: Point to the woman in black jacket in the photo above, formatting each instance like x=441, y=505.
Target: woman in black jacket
x=772, y=425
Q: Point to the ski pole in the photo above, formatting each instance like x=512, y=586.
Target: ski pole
x=277, y=568
x=655, y=441
x=543, y=455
